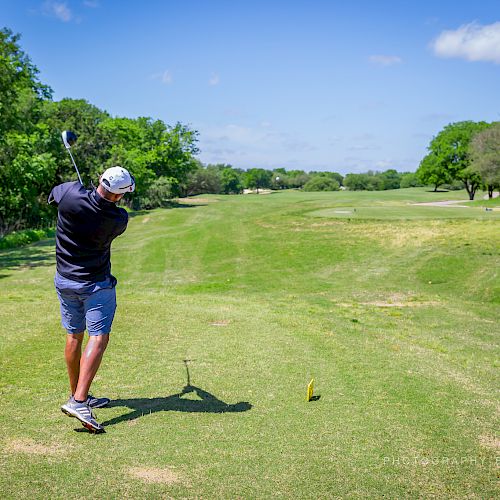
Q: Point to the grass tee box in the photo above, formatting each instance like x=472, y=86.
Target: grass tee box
x=393, y=311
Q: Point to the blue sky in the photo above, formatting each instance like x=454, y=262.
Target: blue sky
x=316, y=85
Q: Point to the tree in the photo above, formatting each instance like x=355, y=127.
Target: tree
x=485, y=154
x=433, y=171
x=21, y=93
x=332, y=175
x=321, y=183
x=204, y=180
x=357, y=182
x=231, y=181
x=297, y=178
x=449, y=156
x=409, y=179
x=27, y=164
x=258, y=178
x=391, y=179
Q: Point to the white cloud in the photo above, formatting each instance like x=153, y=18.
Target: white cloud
x=59, y=10
x=473, y=42
x=382, y=60
x=92, y=4
x=214, y=79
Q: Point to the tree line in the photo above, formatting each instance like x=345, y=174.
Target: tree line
x=163, y=157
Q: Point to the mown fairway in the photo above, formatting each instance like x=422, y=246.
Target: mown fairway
x=392, y=308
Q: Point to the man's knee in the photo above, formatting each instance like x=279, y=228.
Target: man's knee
x=100, y=341
x=74, y=339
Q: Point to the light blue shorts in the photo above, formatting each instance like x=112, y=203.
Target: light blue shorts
x=90, y=305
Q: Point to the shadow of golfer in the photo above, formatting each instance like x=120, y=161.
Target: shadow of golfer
x=207, y=403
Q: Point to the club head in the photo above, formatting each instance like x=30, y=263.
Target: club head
x=69, y=138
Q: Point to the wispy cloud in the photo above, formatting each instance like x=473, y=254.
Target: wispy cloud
x=167, y=77
x=473, y=42
x=92, y=4
x=214, y=79
x=164, y=76
x=59, y=10
x=383, y=60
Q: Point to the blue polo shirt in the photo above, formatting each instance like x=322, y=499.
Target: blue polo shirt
x=87, y=223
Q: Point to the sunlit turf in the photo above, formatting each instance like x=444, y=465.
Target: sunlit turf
x=393, y=309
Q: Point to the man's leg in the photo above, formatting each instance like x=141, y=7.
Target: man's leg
x=72, y=353
x=89, y=364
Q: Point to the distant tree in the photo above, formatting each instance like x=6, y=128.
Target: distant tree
x=280, y=179
x=485, y=154
x=449, y=156
x=357, y=182
x=409, y=179
x=433, y=171
x=321, y=183
x=332, y=175
x=258, y=178
x=391, y=179
x=204, y=180
x=230, y=181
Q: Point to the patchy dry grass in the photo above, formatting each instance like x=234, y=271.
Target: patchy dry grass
x=164, y=475
x=395, y=317
x=31, y=447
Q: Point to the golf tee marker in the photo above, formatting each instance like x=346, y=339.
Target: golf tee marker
x=310, y=390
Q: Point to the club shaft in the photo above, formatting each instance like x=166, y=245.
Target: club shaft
x=76, y=168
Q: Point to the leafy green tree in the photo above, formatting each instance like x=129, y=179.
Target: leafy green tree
x=150, y=149
x=391, y=179
x=297, y=178
x=258, y=178
x=357, y=182
x=92, y=149
x=231, y=181
x=409, y=179
x=433, y=171
x=204, y=180
x=321, y=183
x=485, y=154
x=449, y=156
x=21, y=93
x=332, y=175
x=26, y=161
x=26, y=175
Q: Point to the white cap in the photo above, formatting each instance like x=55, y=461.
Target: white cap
x=118, y=180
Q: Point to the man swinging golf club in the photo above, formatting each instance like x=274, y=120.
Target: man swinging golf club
x=88, y=221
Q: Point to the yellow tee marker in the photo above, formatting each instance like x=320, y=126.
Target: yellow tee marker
x=310, y=390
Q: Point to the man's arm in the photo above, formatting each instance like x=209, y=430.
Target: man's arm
x=58, y=192
x=123, y=223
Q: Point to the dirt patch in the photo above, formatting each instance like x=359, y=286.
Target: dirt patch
x=446, y=203
x=146, y=219
x=165, y=475
x=491, y=442
x=392, y=300
x=30, y=447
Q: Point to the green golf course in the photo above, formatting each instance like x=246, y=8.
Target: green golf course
x=227, y=307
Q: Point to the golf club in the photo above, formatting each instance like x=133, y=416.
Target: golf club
x=69, y=138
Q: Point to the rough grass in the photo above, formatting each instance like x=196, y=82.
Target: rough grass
x=396, y=318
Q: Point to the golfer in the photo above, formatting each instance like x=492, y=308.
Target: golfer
x=87, y=222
